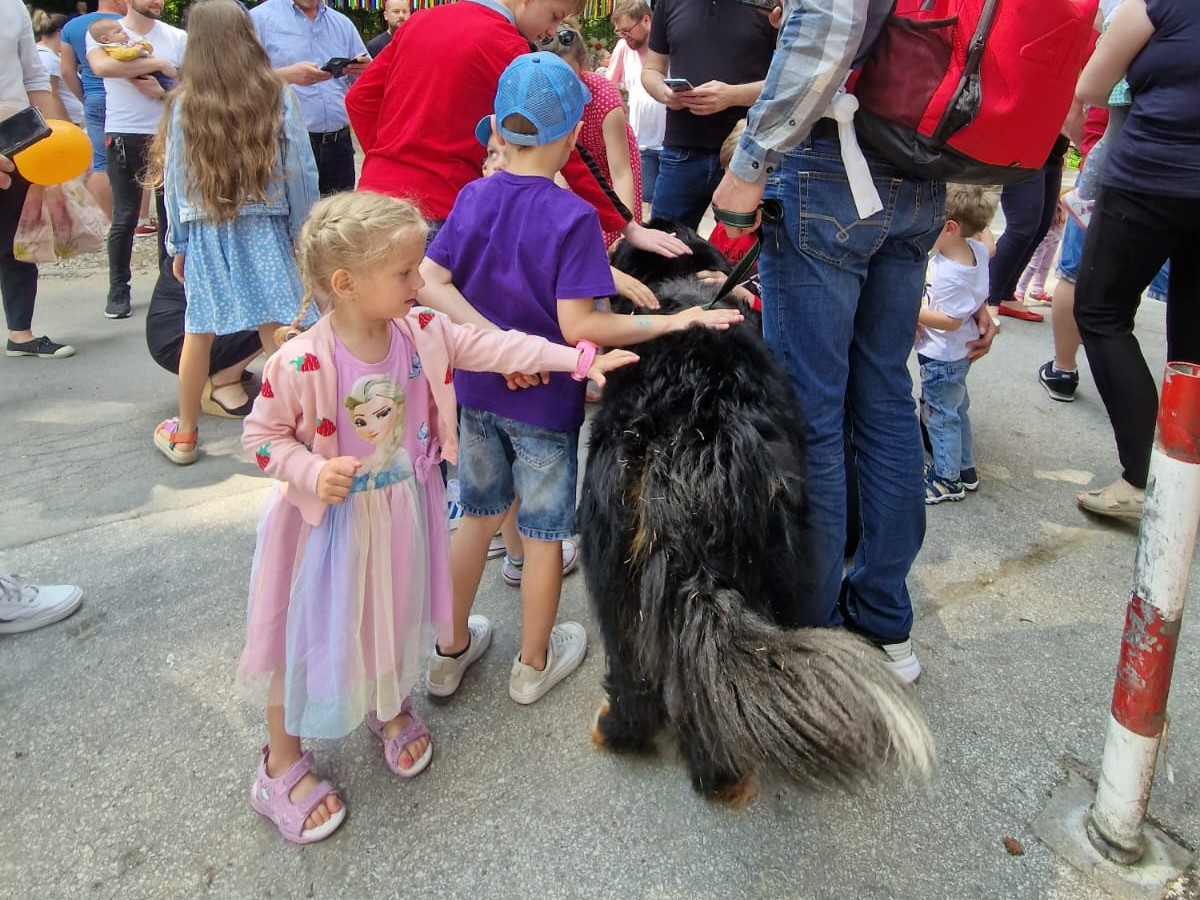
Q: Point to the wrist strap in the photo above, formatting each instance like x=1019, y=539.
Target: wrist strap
x=587, y=355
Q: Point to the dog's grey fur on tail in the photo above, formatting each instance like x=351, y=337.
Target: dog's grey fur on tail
x=698, y=558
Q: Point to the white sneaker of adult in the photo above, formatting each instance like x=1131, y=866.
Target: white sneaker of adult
x=24, y=607
x=903, y=661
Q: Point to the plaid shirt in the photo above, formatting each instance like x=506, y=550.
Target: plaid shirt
x=818, y=44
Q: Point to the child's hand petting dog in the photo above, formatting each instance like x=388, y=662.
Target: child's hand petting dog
x=634, y=291
x=720, y=319
x=606, y=362
x=335, y=478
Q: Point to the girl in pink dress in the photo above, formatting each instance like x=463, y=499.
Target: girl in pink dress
x=606, y=134
x=352, y=564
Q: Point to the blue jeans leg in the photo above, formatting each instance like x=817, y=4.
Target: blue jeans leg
x=649, y=175
x=944, y=387
x=840, y=298
x=93, y=120
x=687, y=177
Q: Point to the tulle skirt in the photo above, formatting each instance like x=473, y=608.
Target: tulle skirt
x=340, y=613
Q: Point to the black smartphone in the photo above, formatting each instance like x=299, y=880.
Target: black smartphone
x=678, y=84
x=22, y=130
x=336, y=65
x=768, y=5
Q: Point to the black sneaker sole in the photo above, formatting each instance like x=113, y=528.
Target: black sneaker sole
x=117, y=315
x=1057, y=395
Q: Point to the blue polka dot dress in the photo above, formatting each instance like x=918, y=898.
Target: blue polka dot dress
x=241, y=274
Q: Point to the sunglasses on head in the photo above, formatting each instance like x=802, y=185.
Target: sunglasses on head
x=564, y=36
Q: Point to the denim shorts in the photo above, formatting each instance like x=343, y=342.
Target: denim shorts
x=93, y=119
x=500, y=459
x=1072, y=251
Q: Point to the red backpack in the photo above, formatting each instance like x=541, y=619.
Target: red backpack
x=972, y=91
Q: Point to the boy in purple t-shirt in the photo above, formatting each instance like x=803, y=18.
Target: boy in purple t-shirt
x=526, y=254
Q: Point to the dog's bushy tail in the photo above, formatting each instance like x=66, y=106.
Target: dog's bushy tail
x=818, y=705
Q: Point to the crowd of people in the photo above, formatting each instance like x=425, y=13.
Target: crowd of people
x=419, y=314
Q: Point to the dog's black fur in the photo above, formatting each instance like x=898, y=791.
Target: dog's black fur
x=698, y=558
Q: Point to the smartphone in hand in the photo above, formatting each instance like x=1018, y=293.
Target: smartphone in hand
x=766, y=5
x=22, y=130
x=678, y=84
x=336, y=65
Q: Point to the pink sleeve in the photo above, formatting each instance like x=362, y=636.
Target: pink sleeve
x=480, y=350
x=269, y=432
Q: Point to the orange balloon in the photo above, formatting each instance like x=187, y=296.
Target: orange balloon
x=64, y=155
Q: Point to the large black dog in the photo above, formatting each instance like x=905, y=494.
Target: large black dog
x=698, y=561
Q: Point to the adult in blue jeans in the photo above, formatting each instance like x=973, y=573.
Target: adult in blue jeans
x=841, y=294
x=723, y=50
x=84, y=83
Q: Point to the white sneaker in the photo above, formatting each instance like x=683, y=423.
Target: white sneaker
x=567, y=648
x=24, y=607
x=903, y=661
x=445, y=673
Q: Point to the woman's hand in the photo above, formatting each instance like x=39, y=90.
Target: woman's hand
x=177, y=266
x=606, y=362
x=335, y=478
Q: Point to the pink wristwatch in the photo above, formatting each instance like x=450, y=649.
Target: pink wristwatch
x=587, y=355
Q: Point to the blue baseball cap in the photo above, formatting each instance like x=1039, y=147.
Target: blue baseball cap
x=543, y=89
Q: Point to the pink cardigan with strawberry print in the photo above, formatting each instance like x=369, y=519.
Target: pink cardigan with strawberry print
x=291, y=429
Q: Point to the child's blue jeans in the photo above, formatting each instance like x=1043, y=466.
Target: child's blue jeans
x=944, y=387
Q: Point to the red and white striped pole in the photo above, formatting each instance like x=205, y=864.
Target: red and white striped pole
x=1164, y=556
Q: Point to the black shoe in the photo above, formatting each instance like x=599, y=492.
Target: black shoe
x=41, y=347
x=1059, y=385
x=118, y=308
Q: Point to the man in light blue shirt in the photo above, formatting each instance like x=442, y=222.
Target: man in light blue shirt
x=300, y=36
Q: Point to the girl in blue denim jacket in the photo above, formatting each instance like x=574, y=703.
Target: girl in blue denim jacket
x=233, y=156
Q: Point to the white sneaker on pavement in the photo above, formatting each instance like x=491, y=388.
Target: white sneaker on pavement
x=24, y=607
x=566, y=650
x=445, y=673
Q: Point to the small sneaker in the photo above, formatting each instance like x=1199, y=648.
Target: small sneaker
x=145, y=229
x=903, y=661
x=41, y=347
x=118, y=308
x=567, y=648
x=454, y=509
x=1058, y=384
x=938, y=489
x=24, y=607
x=511, y=569
x=969, y=479
x=1120, y=500
x=497, y=547
x=445, y=673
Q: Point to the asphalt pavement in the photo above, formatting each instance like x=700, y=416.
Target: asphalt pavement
x=126, y=759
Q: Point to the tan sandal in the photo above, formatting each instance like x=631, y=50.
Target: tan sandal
x=168, y=437
x=1119, y=500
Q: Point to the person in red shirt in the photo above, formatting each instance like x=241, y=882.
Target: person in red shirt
x=419, y=138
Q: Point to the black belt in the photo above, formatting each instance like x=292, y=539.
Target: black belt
x=329, y=137
x=824, y=130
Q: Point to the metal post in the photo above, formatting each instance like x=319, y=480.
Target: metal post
x=1165, y=548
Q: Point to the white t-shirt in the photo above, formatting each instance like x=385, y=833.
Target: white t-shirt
x=127, y=110
x=72, y=104
x=21, y=69
x=957, y=291
x=647, y=117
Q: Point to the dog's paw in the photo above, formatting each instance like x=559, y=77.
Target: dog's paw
x=738, y=794
x=597, y=734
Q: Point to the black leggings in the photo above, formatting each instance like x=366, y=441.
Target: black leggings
x=1028, y=212
x=1130, y=236
x=18, y=280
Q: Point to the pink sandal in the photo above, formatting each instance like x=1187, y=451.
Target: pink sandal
x=270, y=797
x=394, y=747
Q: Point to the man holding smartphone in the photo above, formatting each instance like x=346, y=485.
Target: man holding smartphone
x=300, y=37
x=23, y=83
x=723, y=49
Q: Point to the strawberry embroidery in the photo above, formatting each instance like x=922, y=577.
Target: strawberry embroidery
x=262, y=456
x=449, y=375
x=325, y=427
x=306, y=363
x=266, y=391
x=423, y=319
